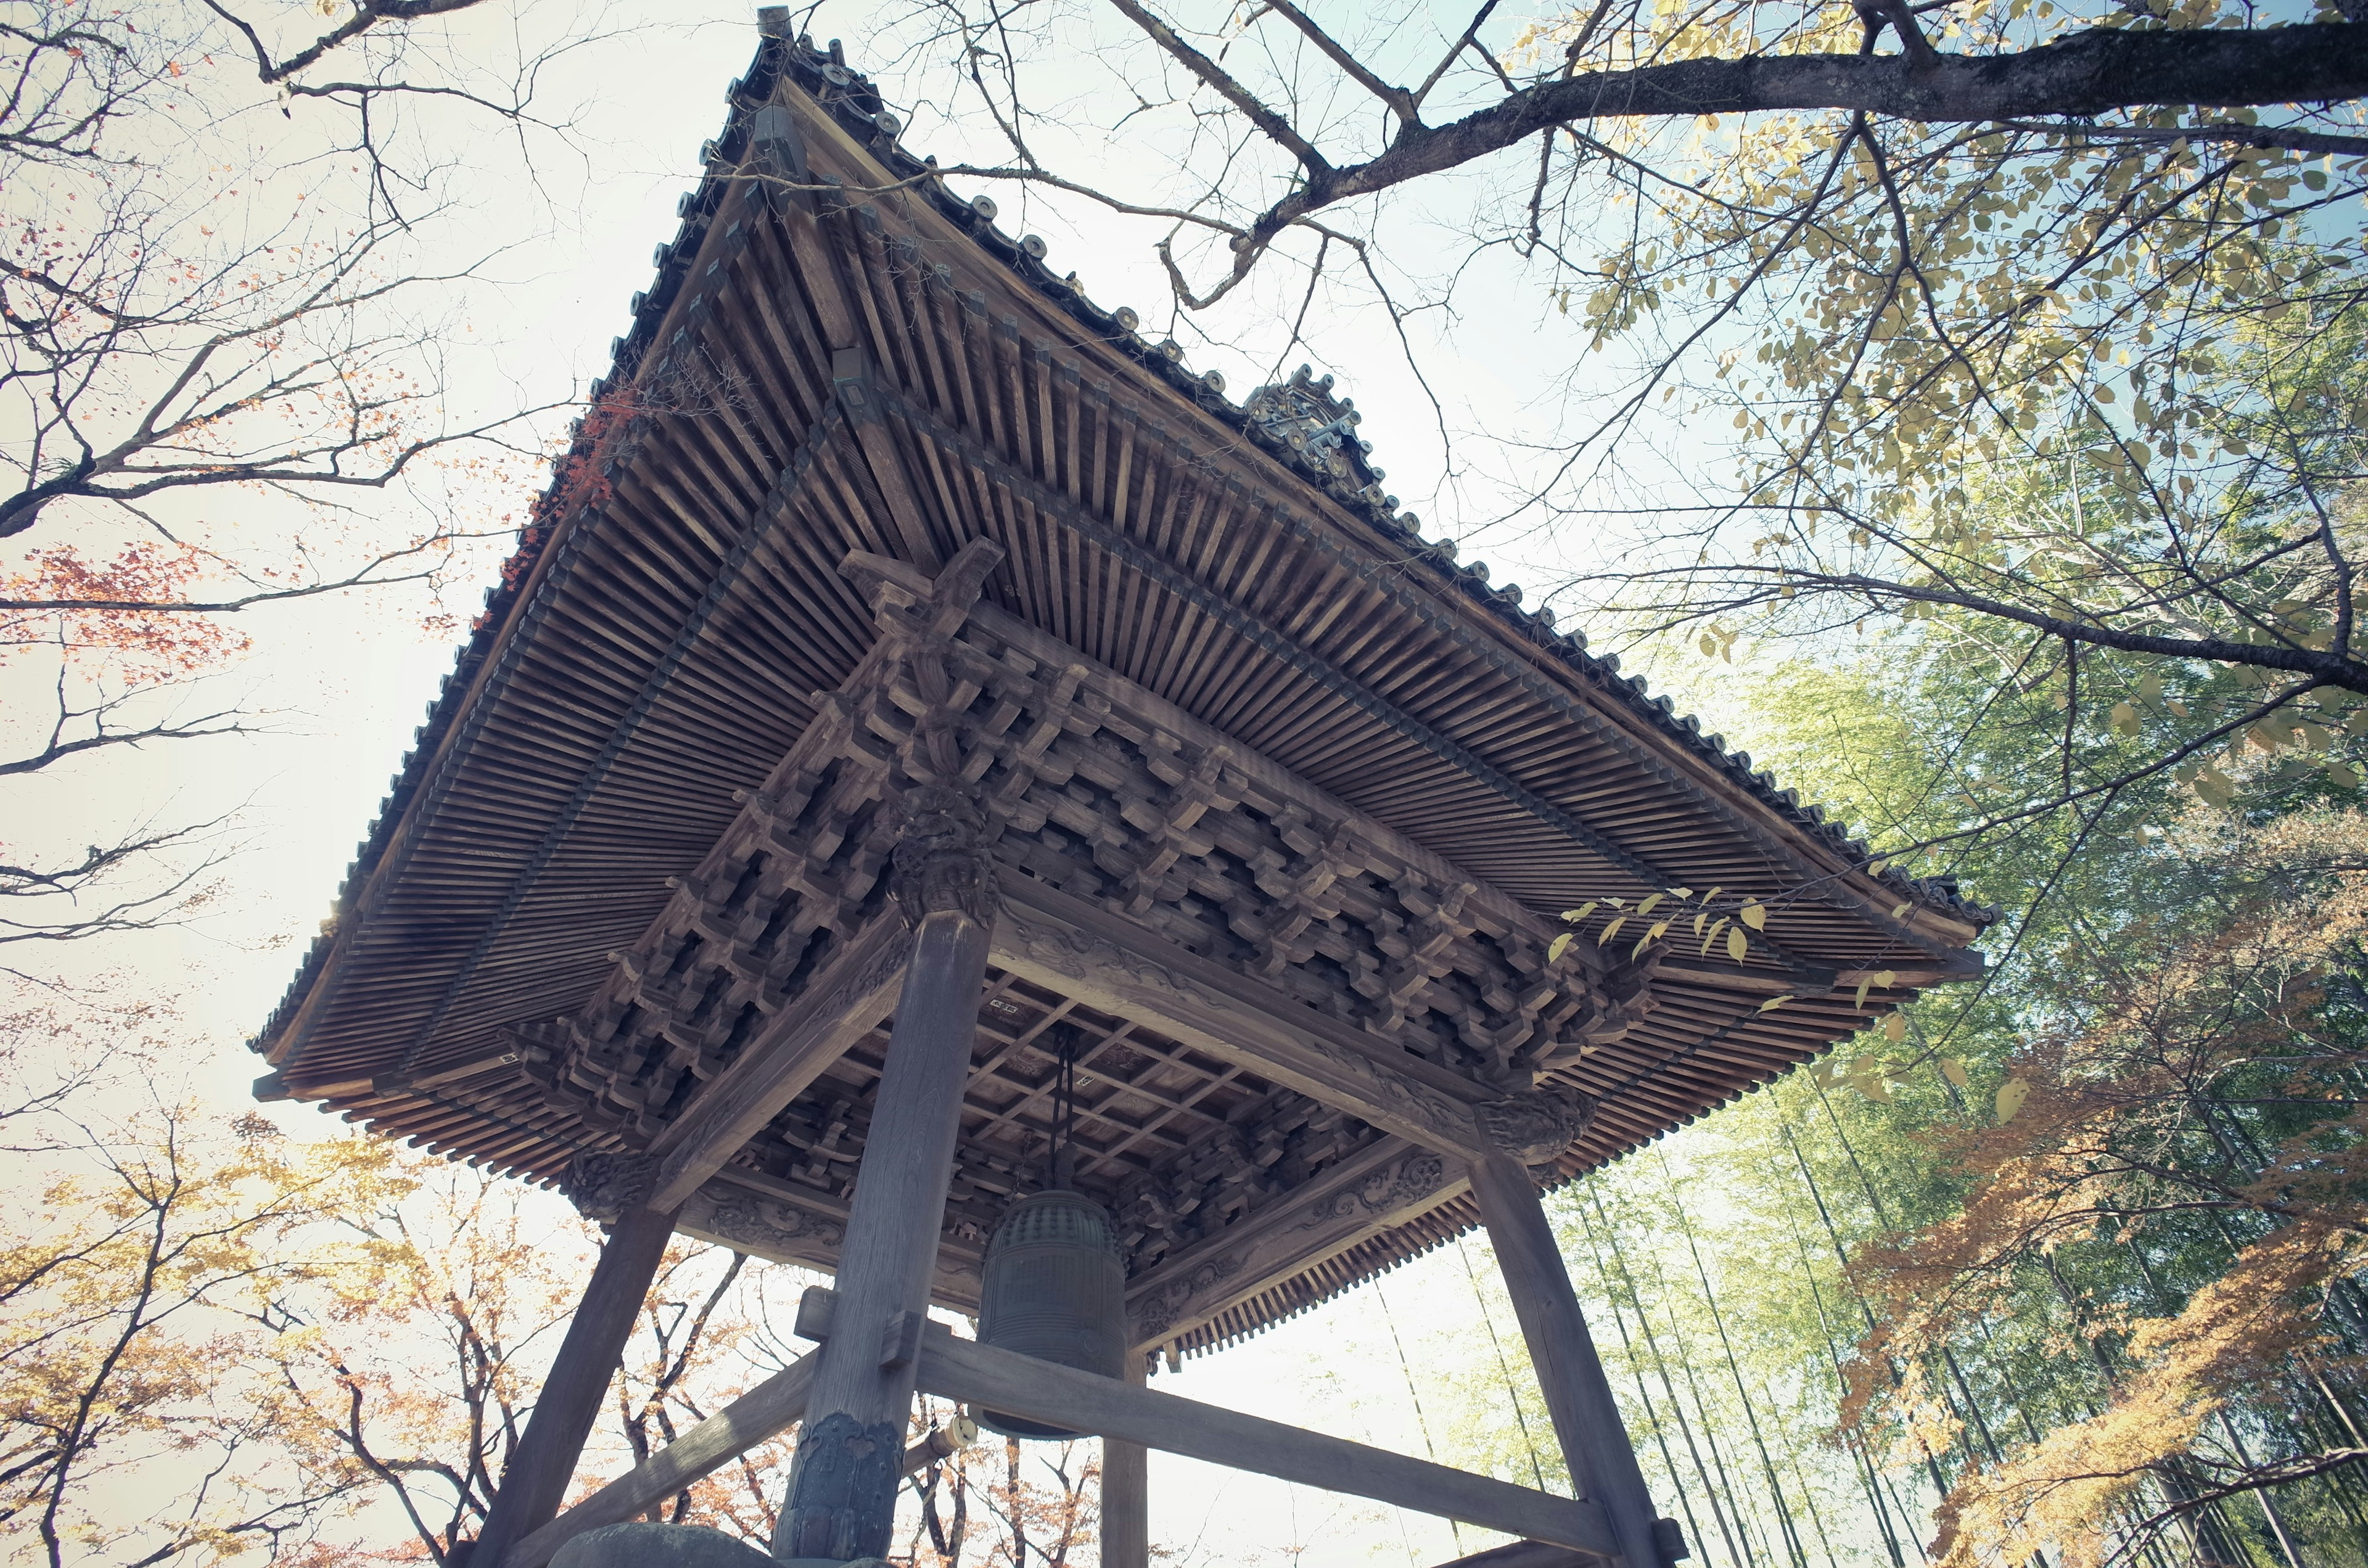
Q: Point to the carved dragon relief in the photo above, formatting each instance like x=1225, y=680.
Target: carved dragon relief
x=1155, y=1313
x=762, y=1225
x=1384, y=1191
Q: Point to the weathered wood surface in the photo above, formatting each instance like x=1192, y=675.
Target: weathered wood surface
x=535, y=1482
x=1064, y=943
x=964, y=1370
x=901, y=380
x=1523, y=1554
x=1595, y=1443
x=838, y=1006
x=890, y=1257
x=1126, y=1493
x=763, y=1413
x=751, y=1212
x=1381, y=1187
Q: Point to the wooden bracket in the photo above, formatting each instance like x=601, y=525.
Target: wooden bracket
x=900, y=1339
x=899, y=1342
x=815, y=1309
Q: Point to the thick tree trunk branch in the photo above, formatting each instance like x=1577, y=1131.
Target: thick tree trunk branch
x=2088, y=73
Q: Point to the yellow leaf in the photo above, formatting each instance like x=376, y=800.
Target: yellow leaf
x=2010, y=1096
x=1681, y=893
x=1901, y=910
x=1581, y=913
x=1754, y=915
x=1955, y=1071
x=1774, y=1002
x=1611, y=931
x=2124, y=717
x=1738, y=946
x=1559, y=945
x=1716, y=926
x=1894, y=1027
x=1646, y=907
x=1887, y=978
x=1715, y=891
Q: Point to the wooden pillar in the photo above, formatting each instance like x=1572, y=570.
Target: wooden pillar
x=534, y=1483
x=1578, y=1395
x=842, y=1494
x=1126, y=1492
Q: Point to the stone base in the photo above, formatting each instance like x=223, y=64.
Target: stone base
x=643, y=1545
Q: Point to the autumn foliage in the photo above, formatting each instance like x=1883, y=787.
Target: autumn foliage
x=2204, y=1097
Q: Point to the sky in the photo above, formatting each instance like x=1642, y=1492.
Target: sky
x=336, y=686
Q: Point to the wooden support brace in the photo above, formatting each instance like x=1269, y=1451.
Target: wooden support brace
x=843, y=1004
x=535, y=1482
x=765, y=1411
x=1578, y=1395
x=1001, y=1379
x=1523, y=1554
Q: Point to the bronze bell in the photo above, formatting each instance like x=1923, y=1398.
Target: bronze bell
x=1055, y=1288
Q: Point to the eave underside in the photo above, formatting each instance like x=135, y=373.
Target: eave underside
x=856, y=376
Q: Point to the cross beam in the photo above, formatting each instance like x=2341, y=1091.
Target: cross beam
x=1022, y=1385
x=1561, y=1532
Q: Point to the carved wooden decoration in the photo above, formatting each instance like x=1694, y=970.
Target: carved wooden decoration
x=894, y=537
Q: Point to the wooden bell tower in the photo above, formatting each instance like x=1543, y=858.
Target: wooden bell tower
x=914, y=667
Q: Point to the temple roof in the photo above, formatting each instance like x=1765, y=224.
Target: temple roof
x=857, y=360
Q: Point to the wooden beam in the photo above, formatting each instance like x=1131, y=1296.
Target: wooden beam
x=1365, y=1194
x=842, y=1494
x=535, y=1480
x=784, y=1222
x=1126, y=1492
x=1000, y=1380
x=1523, y=1554
x=1594, y=1444
x=839, y=1006
x=1079, y=949
x=764, y=1412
